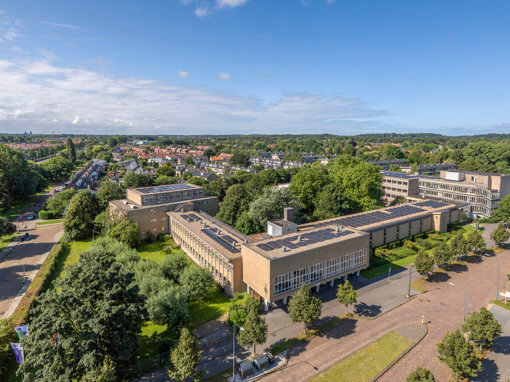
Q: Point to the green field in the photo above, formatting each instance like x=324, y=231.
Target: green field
x=365, y=364
x=53, y=221
x=72, y=256
x=20, y=207
x=402, y=256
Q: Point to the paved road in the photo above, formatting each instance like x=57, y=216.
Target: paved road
x=496, y=366
x=21, y=264
x=442, y=307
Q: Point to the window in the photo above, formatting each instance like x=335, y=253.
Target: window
x=154, y=220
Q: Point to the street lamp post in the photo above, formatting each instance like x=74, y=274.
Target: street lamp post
x=234, y=350
x=464, y=298
x=93, y=230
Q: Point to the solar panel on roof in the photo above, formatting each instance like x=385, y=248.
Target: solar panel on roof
x=431, y=204
x=306, y=239
x=168, y=187
x=220, y=241
x=194, y=217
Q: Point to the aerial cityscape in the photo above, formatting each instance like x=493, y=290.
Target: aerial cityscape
x=242, y=190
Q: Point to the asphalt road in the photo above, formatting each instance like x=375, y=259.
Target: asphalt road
x=21, y=264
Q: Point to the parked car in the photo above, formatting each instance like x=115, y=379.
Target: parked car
x=25, y=237
x=31, y=217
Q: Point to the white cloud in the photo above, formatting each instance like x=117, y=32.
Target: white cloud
x=203, y=10
x=58, y=25
x=184, y=75
x=9, y=28
x=41, y=96
x=230, y=3
x=330, y=1
x=223, y=77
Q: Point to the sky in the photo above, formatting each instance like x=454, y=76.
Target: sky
x=185, y=67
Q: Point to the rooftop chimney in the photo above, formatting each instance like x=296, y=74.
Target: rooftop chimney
x=288, y=214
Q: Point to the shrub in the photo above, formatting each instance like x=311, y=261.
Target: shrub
x=382, y=252
x=409, y=244
x=150, y=238
x=46, y=215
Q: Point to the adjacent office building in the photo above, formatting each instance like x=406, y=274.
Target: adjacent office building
x=273, y=267
x=479, y=192
x=148, y=206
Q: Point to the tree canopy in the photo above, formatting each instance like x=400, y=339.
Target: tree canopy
x=93, y=319
x=303, y=307
x=459, y=355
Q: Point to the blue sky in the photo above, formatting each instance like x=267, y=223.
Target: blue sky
x=254, y=66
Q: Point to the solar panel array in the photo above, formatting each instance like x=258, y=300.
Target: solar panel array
x=191, y=218
x=225, y=241
x=368, y=218
x=395, y=174
x=296, y=241
x=169, y=187
x=431, y=204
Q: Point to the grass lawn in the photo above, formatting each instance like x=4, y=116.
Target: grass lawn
x=152, y=251
x=419, y=285
x=404, y=256
x=73, y=254
x=501, y=303
x=20, y=207
x=368, y=362
x=154, y=340
x=213, y=306
x=4, y=240
x=53, y=221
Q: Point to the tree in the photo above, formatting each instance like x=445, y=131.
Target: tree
x=476, y=241
x=173, y=266
x=442, y=255
x=236, y=314
x=331, y=202
x=500, y=235
x=126, y=232
x=134, y=180
x=390, y=151
x=93, y=319
x=420, y=374
x=502, y=213
x=237, y=200
x=189, y=161
x=58, y=203
x=109, y=191
x=255, y=331
x=307, y=184
x=424, y=263
x=459, y=245
x=185, y=358
x=6, y=227
x=398, y=200
x=195, y=282
x=459, y=355
x=270, y=205
x=482, y=328
x=80, y=215
x=346, y=294
x=246, y=224
x=166, y=169
x=7, y=336
x=303, y=307
x=239, y=158
x=164, y=179
x=71, y=150
x=168, y=307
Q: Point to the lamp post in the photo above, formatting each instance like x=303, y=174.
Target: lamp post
x=409, y=286
x=93, y=237
x=464, y=298
x=234, y=350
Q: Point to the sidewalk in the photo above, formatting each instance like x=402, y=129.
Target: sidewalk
x=375, y=297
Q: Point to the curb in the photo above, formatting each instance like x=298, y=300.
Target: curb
x=400, y=356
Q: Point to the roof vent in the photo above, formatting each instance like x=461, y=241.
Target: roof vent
x=337, y=229
x=299, y=238
x=283, y=248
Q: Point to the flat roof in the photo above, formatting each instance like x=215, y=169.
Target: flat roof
x=305, y=239
x=164, y=188
x=282, y=222
x=126, y=207
x=226, y=240
x=395, y=174
x=325, y=232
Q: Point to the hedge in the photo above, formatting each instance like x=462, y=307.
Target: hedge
x=47, y=215
x=38, y=284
